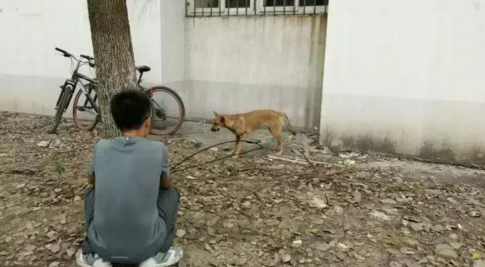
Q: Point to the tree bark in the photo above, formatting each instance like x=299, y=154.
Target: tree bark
x=113, y=53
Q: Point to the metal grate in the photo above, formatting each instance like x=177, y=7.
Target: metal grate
x=218, y=8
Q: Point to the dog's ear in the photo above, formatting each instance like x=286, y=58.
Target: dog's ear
x=223, y=119
x=215, y=113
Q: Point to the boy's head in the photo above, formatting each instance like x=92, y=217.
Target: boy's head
x=131, y=112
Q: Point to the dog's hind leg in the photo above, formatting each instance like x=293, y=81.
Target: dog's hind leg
x=275, y=130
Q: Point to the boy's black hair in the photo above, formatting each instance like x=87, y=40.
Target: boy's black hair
x=130, y=109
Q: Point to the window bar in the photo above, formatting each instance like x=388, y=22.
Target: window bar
x=237, y=9
x=284, y=7
x=294, y=7
x=186, y=8
x=265, y=2
x=325, y=2
x=304, y=7
x=211, y=7
x=274, y=7
x=220, y=11
x=203, y=7
x=315, y=7
x=246, y=7
x=195, y=10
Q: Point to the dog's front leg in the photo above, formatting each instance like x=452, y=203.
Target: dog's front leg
x=236, y=145
x=239, y=144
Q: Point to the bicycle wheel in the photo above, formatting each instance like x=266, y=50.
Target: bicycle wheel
x=168, y=111
x=84, y=114
x=63, y=103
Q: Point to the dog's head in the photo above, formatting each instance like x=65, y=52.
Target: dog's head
x=219, y=122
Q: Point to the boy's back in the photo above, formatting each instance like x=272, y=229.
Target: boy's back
x=131, y=210
x=126, y=224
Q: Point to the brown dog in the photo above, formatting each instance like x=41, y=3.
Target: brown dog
x=246, y=123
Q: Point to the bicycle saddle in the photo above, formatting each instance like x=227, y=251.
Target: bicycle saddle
x=143, y=68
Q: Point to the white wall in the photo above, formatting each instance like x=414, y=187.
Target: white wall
x=412, y=72
x=30, y=70
x=236, y=64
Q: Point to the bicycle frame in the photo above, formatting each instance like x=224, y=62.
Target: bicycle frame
x=76, y=79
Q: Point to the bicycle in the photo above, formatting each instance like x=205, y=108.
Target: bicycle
x=88, y=89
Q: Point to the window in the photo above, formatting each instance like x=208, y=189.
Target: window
x=273, y=3
x=205, y=7
x=313, y=6
x=197, y=8
x=206, y=3
x=239, y=7
x=312, y=2
x=238, y=3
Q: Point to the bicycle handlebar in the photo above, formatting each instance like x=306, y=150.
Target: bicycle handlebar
x=66, y=54
x=87, y=57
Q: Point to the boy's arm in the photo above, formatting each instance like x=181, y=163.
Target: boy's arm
x=165, y=181
x=91, y=177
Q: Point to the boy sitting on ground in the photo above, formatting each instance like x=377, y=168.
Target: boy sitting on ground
x=132, y=208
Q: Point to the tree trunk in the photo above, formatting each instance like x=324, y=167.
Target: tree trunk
x=113, y=53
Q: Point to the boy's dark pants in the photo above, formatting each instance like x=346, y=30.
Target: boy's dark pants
x=168, y=204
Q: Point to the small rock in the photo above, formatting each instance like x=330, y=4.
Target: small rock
x=407, y=251
x=388, y=201
x=437, y=228
x=70, y=252
x=395, y=264
x=77, y=198
x=358, y=257
x=44, y=144
x=475, y=214
x=357, y=196
x=180, y=233
x=318, y=203
x=349, y=162
x=51, y=234
x=342, y=246
x=54, y=264
x=54, y=248
x=275, y=261
x=227, y=224
x=454, y=236
x=212, y=221
x=322, y=246
x=56, y=143
x=411, y=263
x=297, y=243
x=479, y=263
x=246, y=204
x=417, y=226
x=380, y=215
x=445, y=251
x=456, y=245
x=403, y=200
x=452, y=201
x=285, y=257
x=21, y=186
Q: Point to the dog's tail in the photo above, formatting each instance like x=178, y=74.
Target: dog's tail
x=288, y=124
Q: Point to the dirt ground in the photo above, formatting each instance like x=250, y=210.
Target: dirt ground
x=350, y=210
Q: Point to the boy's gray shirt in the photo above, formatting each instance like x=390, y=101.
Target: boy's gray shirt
x=126, y=225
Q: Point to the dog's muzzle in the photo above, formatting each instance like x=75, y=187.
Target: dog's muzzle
x=215, y=130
